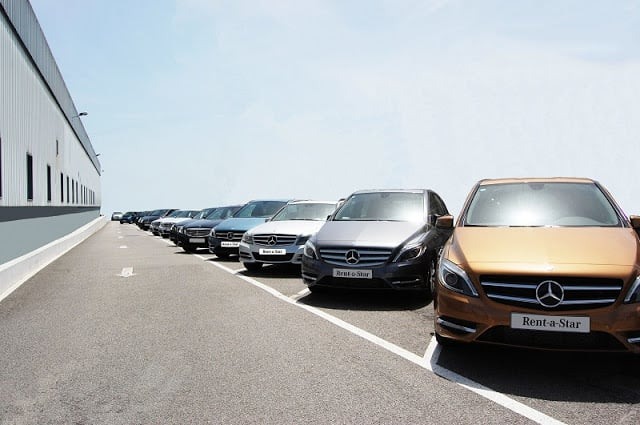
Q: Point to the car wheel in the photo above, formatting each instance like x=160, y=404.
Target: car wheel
x=252, y=267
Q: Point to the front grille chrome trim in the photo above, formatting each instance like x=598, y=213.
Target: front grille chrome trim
x=448, y=324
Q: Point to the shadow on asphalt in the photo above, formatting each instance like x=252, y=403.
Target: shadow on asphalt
x=275, y=271
x=367, y=300
x=548, y=375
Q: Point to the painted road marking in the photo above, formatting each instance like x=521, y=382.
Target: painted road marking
x=428, y=362
x=127, y=272
x=301, y=294
x=123, y=247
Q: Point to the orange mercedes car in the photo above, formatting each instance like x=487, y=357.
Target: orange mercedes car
x=548, y=263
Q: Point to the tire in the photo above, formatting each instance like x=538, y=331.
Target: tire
x=253, y=267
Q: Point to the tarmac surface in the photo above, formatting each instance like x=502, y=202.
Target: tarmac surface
x=128, y=329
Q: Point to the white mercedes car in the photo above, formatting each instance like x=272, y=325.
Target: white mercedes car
x=282, y=239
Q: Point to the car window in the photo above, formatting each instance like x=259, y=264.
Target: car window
x=259, y=209
x=222, y=213
x=305, y=211
x=382, y=206
x=541, y=204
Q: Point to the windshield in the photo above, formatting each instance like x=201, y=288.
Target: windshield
x=259, y=209
x=383, y=206
x=176, y=213
x=305, y=211
x=222, y=213
x=541, y=204
x=158, y=212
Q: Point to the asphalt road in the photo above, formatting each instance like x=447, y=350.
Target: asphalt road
x=128, y=329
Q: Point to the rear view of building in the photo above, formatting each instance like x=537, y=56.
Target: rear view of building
x=49, y=171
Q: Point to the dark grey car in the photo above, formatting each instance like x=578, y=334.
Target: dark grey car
x=378, y=239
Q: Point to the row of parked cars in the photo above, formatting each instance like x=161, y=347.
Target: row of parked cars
x=550, y=263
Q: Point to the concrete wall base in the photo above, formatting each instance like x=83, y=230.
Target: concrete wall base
x=17, y=271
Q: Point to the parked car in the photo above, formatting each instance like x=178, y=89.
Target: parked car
x=146, y=221
x=377, y=239
x=173, y=232
x=225, y=238
x=193, y=235
x=547, y=263
x=162, y=226
x=282, y=238
x=116, y=216
x=128, y=217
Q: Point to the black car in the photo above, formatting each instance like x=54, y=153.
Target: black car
x=173, y=233
x=145, y=221
x=193, y=235
x=378, y=239
x=129, y=217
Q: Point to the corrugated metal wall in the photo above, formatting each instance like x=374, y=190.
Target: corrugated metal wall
x=32, y=119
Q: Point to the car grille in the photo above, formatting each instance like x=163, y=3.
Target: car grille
x=224, y=236
x=367, y=256
x=579, y=293
x=274, y=240
x=196, y=232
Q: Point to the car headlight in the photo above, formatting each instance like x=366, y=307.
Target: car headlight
x=452, y=277
x=310, y=250
x=302, y=239
x=412, y=249
x=633, y=296
x=247, y=238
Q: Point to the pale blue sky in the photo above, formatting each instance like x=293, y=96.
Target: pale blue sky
x=197, y=103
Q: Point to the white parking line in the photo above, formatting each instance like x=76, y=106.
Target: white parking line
x=428, y=362
x=301, y=294
x=123, y=247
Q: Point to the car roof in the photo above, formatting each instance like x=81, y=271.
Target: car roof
x=391, y=190
x=309, y=201
x=486, y=182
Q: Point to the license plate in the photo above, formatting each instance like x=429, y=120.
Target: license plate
x=538, y=322
x=353, y=274
x=266, y=251
x=196, y=240
x=227, y=244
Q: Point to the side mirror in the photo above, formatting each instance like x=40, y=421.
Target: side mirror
x=444, y=222
x=635, y=221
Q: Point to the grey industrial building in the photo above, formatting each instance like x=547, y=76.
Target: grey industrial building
x=49, y=171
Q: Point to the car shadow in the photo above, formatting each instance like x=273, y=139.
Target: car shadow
x=367, y=300
x=547, y=375
x=275, y=271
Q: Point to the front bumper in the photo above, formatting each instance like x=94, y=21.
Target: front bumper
x=395, y=276
x=470, y=319
x=224, y=247
x=277, y=254
x=194, y=241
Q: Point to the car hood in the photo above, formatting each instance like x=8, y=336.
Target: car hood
x=239, y=224
x=288, y=227
x=367, y=233
x=488, y=249
x=203, y=223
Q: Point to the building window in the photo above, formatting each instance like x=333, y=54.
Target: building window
x=49, y=183
x=29, y=177
x=57, y=148
x=61, y=188
x=68, y=191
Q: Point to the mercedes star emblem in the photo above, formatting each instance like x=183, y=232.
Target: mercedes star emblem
x=352, y=256
x=272, y=240
x=550, y=293
x=230, y=235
